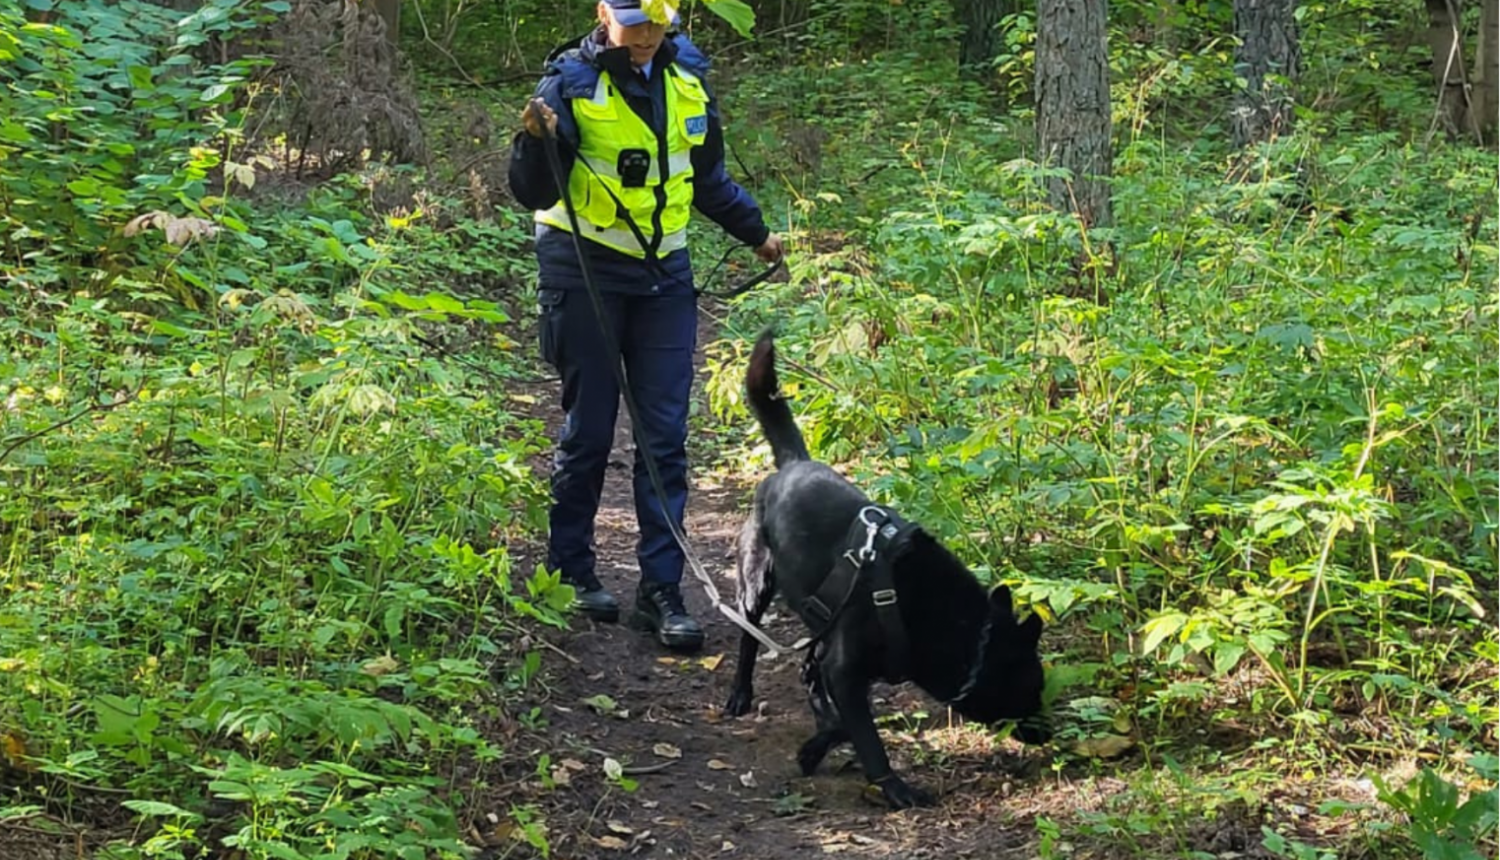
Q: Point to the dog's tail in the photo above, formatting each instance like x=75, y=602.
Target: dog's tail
x=770, y=410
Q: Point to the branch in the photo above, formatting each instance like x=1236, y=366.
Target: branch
x=97, y=407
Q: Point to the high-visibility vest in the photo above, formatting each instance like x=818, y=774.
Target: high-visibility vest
x=661, y=207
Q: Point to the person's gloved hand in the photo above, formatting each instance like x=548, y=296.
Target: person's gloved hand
x=536, y=116
x=770, y=250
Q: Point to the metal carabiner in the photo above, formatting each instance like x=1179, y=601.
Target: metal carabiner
x=872, y=528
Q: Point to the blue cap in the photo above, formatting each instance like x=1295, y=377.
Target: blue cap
x=628, y=13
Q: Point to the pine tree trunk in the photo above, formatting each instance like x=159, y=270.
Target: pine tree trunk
x=1448, y=72
x=1269, y=59
x=981, y=38
x=390, y=13
x=1072, y=105
x=1486, y=75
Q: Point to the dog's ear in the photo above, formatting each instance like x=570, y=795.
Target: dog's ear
x=1000, y=602
x=1031, y=628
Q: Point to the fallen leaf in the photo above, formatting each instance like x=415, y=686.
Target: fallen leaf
x=1103, y=746
x=726, y=847
x=562, y=776
x=613, y=769
x=711, y=663
x=602, y=704
x=574, y=764
x=613, y=843
x=619, y=827
x=382, y=665
x=13, y=751
x=667, y=661
x=667, y=751
x=747, y=779
x=715, y=764
x=650, y=804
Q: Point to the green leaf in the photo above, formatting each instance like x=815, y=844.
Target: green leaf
x=1159, y=628
x=156, y=807
x=407, y=302
x=602, y=703
x=1226, y=656
x=738, y=14
x=444, y=303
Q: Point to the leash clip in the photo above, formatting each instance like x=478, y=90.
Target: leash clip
x=872, y=528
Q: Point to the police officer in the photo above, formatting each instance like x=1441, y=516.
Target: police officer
x=640, y=144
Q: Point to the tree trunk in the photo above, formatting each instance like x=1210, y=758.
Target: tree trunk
x=390, y=13
x=981, y=38
x=1072, y=105
x=1448, y=72
x=1487, y=72
x=1269, y=59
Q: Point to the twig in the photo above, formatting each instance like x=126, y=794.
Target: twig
x=636, y=769
x=556, y=650
x=97, y=407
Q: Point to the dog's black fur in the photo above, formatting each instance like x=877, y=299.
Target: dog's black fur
x=794, y=537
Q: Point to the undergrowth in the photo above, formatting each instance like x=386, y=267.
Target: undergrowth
x=1240, y=449
x=264, y=459
x=258, y=593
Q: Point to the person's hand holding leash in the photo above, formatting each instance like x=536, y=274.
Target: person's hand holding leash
x=536, y=116
x=771, y=250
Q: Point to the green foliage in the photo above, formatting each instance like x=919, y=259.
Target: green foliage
x=1240, y=448
x=1443, y=824
x=255, y=532
x=107, y=115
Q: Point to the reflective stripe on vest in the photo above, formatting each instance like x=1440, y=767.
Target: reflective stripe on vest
x=607, y=127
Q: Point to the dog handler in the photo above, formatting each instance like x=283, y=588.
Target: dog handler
x=640, y=143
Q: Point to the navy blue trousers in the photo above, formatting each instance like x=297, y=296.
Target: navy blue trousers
x=656, y=335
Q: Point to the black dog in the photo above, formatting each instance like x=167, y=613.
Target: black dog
x=960, y=646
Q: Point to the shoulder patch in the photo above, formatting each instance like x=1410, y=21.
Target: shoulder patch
x=578, y=77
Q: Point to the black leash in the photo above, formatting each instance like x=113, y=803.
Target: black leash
x=637, y=429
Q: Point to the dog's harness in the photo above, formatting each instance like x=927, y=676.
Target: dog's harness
x=874, y=538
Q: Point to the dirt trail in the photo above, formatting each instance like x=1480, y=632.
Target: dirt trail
x=736, y=790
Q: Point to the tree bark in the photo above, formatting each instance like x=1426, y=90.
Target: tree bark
x=1072, y=105
x=1448, y=73
x=390, y=13
x=1486, y=75
x=981, y=39
x=1268, y=58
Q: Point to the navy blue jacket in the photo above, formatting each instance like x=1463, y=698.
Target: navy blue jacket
x=573, y=73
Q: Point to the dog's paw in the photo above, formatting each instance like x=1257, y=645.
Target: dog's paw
x=739, y=704
x=899, y=795
x=816, y=749
x=811, y=755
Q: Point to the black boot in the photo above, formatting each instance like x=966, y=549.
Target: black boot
x=658, y=609
x=591, y=599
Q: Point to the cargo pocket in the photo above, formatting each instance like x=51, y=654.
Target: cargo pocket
x=549, y=325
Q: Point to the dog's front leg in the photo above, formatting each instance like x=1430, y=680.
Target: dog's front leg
x=830, y=728
x=757, y=588
x=849, y=687
x=742, y=694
